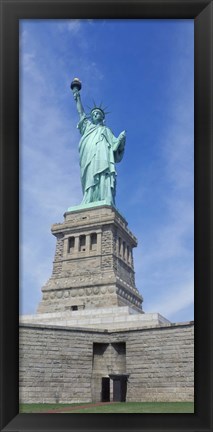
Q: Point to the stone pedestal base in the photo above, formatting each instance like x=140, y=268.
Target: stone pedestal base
x=110, y=318
x=93, y=265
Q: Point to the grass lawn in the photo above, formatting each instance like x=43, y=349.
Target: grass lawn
x=39, y=407
x=123, y=407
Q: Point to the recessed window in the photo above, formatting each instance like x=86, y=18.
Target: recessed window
x=73, y=308
x=82, y=243
x=71, y=244
x=119, y=245
x=124, y=249
x=93, y=241
x=127, y=253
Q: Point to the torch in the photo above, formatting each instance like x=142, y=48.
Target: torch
x=75, y=85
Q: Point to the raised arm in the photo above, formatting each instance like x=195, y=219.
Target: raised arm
x=75, y=87
x=79, y=105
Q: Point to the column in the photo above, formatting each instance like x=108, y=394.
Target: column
x=76, y=248
x=87, y=246
x=65, y=250
x=99, y=242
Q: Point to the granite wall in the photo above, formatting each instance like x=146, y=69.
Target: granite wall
x=66, y=365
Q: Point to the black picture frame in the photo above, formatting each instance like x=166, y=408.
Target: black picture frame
x=202, y=13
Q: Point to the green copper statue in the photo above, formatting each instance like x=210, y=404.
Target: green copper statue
x=99, y=150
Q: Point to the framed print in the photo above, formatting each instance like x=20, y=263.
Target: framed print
x=92, y=333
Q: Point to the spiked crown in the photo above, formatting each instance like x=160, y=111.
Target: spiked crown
x=99, y=108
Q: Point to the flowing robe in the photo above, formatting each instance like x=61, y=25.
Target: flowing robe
x=99, y=150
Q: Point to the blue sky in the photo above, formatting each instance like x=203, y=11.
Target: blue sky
x=143, y=70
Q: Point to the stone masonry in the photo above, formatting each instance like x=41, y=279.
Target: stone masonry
x=93, y=265
x=90, y=340
x=60, y=364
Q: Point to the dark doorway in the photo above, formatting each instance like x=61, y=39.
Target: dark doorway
x=119, y=388
x=116, y=390
x=105, y=394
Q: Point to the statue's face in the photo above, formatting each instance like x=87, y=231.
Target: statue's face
x=97, y=117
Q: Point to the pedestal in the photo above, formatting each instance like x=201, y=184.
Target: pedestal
x=93, y=265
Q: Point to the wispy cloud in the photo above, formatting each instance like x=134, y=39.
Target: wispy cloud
x=74, y=26
x=164, y=259
x=169, y=304
x=49, y=172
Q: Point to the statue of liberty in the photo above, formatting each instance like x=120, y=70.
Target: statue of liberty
x=99, y=151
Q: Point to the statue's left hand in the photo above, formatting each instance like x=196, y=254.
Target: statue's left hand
x=122, y=138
